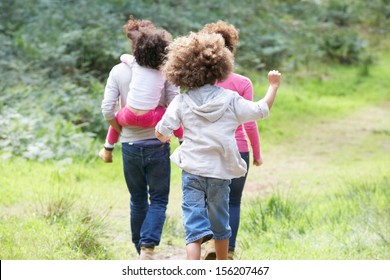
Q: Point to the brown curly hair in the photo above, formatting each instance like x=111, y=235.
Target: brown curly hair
x=133, y=29
x=228, y=32
x=133, y=26
x=197, y=59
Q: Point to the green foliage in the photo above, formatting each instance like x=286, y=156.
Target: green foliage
x=374, y=14
x=343, y=47
x=64, y=37
x=56, y=55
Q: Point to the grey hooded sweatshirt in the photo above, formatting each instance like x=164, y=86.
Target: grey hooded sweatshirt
x=210, y=116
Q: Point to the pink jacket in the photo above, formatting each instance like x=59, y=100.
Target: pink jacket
x=243, y=86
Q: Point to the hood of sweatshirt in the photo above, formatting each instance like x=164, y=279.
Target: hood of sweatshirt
x=208, y=101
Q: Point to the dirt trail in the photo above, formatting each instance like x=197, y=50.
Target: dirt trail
x=317, y=146
x=313, y=149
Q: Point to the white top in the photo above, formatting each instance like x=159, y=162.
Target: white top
x=146, y=86
x=116, y=91
x=210, y=116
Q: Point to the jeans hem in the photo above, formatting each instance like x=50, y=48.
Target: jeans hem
x=148, y=245
x=227, y=236
x=208, y=234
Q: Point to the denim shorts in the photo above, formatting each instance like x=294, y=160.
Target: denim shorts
x=205, y=208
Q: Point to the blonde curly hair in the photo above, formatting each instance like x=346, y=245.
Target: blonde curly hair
x=197, y=59
x=228, y=32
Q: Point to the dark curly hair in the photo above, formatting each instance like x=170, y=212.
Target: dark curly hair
x=148, y=43
x=228, y=32
x=151, y=47
x=197, y=59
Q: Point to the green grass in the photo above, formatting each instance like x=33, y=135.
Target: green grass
x=307, y=98
x=330, y=200
x=83, y=214
x=348, y=221
x=332, y=195
x=77, y=211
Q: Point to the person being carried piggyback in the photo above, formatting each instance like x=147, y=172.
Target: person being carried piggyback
x=147, y=84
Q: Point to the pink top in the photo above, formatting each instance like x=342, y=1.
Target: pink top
x=243, y=86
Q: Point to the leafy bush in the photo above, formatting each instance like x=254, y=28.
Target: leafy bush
x=38, y=122
x=56, y=55
x=343, y=47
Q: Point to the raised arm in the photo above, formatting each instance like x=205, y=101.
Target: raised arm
x=274, y=78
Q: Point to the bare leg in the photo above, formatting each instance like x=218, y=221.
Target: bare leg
x=221, y=249
x=194, y=250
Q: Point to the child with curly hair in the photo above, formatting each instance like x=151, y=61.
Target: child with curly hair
x=149, y=49
x=243, y=86
x=209, y=157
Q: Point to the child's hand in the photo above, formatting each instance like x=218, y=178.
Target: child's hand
x=274, y=78
x=162, y=137
x=127, y=58
x=257, y=162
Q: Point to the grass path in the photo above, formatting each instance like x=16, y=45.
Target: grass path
x=322, y=148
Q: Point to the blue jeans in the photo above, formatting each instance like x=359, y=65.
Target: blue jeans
x=147, y=170
x=205, y=208
x=236, y=189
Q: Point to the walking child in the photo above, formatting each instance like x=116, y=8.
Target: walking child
x=209, y=157
x=244, y=132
